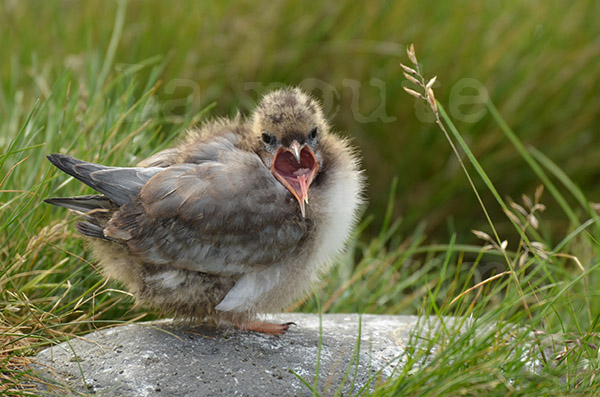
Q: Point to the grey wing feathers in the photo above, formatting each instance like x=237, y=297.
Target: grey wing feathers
x=164, y=158
x=228, y=216
x=121, y=185
x=83, y=203
x=192, y=153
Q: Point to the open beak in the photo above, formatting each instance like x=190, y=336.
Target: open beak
x=296, y=167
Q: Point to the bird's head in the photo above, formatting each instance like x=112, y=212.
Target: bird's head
x=288, y=125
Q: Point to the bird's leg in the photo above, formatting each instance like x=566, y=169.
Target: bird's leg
x=264, y=327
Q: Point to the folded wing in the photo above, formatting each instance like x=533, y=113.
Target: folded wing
x=224, y=214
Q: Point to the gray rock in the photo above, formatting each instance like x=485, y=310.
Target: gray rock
x=176, y=359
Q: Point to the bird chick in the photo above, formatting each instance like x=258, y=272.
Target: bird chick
x=238, y=219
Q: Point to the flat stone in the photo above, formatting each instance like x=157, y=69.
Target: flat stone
x=173, y=358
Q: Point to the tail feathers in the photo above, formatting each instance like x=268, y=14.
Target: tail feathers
x=76, y=168
x=96, y=210
x=120, y=184
x=83, y=203
x=90, y=229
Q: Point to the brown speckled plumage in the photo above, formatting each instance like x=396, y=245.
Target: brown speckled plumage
x=238, y=219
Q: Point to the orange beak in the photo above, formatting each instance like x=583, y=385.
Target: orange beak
x=296, y=167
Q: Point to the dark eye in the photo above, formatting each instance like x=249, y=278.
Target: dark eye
x=268, y=138
x=313, y=133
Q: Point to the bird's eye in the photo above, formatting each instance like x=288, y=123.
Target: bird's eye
x=313, y=133
x=268, y=138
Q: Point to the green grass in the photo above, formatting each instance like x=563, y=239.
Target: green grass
x=116, y=84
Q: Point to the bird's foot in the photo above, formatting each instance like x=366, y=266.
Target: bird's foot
x=265, y=328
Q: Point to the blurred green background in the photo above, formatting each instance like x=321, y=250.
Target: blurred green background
x=539, y=61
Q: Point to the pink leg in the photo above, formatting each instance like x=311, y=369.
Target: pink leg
x=265, y=328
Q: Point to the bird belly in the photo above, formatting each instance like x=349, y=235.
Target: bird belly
x=180, y=292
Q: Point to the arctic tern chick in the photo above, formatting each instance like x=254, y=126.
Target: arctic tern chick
x=238, y=219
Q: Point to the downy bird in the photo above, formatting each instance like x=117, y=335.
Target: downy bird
x=236, y=220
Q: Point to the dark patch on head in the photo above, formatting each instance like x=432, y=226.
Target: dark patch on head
x=300, y=115
x=291, y=136
x=289, y=99
x=275, y=118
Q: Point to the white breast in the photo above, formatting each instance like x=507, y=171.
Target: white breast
x=339, y=212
